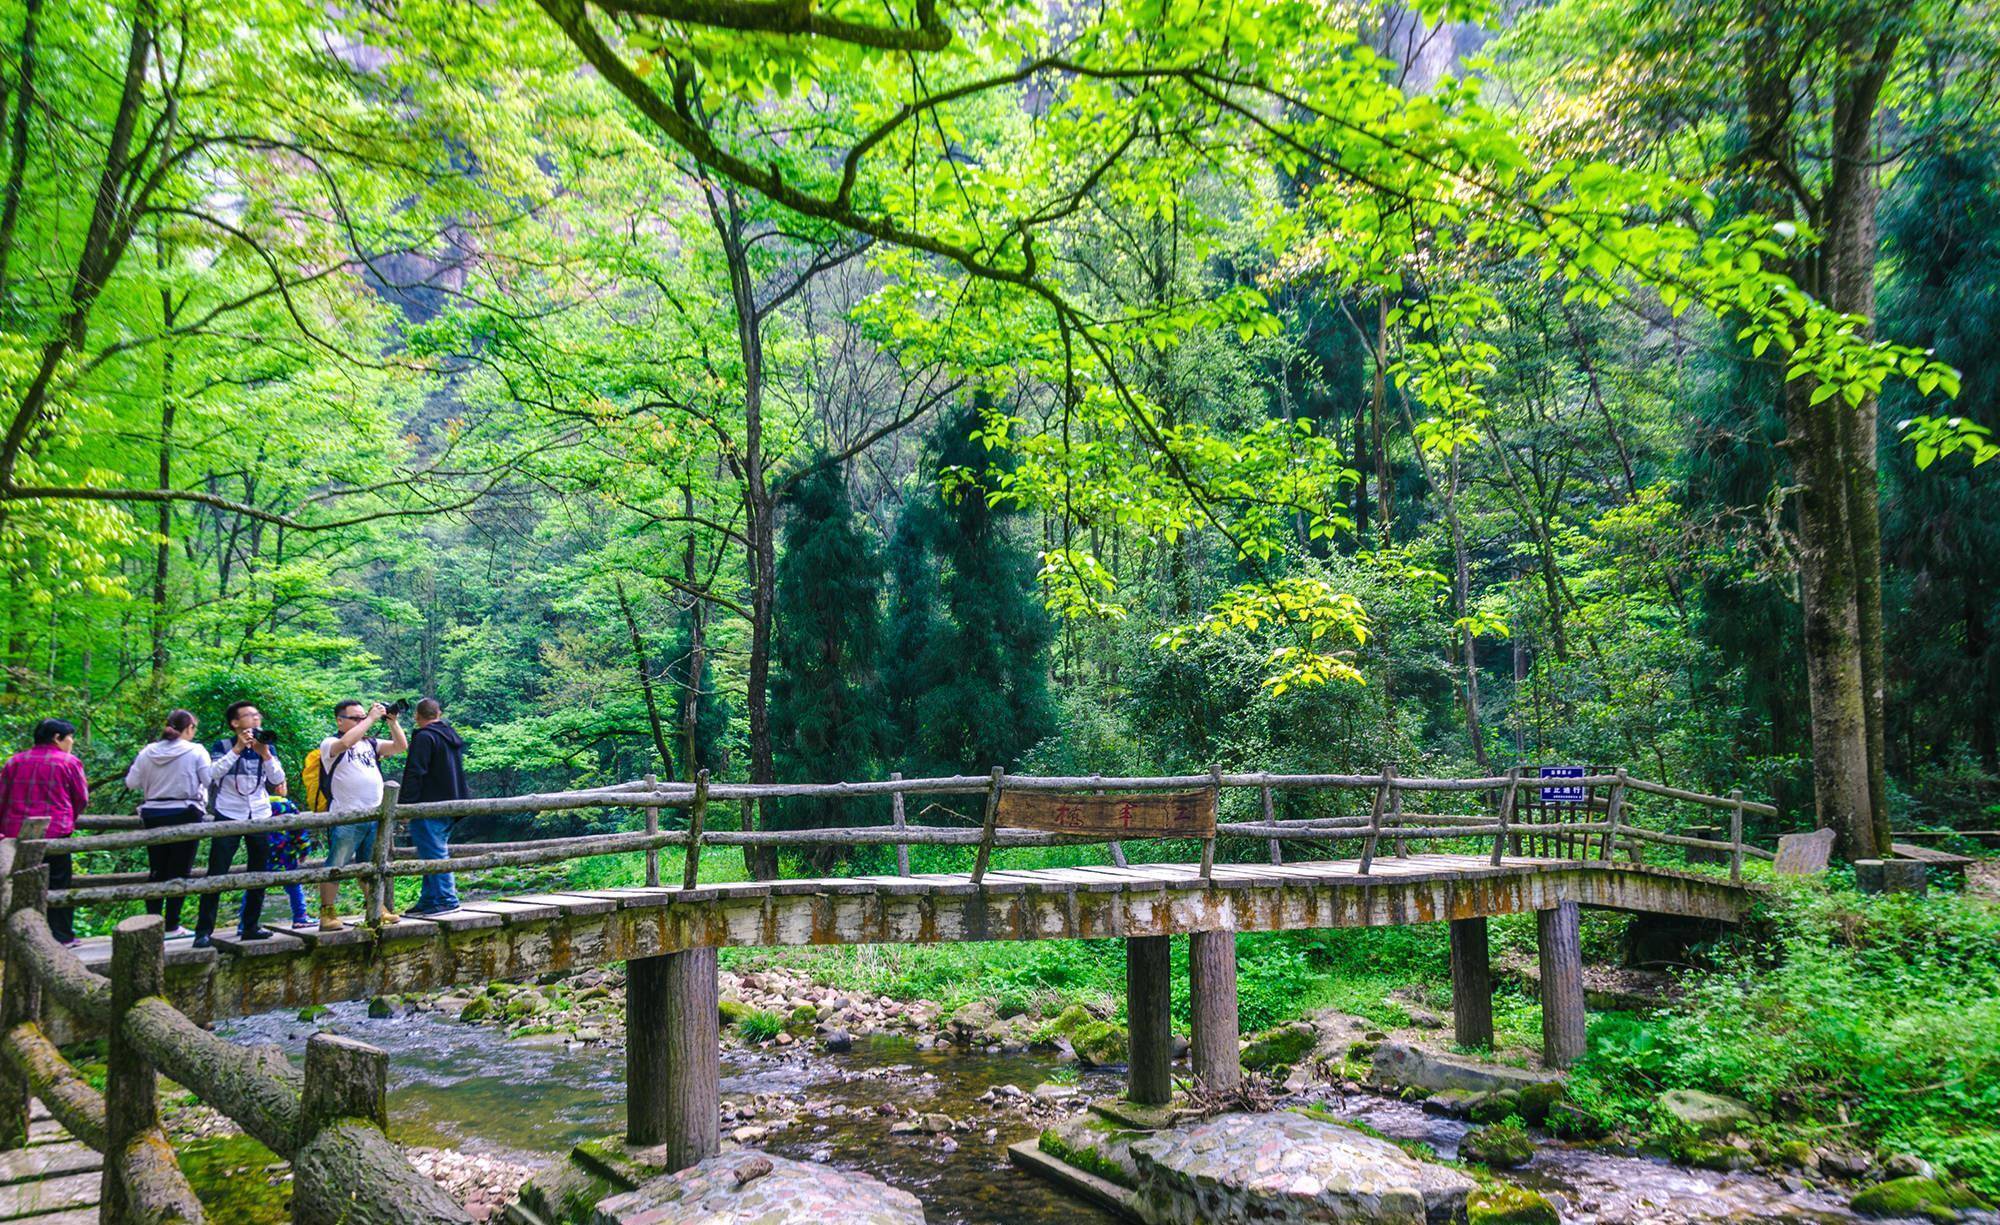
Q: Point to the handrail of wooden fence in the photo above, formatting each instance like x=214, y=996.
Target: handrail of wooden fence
x=330, y=1124
x=1614, y=831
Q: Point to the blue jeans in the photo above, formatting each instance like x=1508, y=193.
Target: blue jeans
x=433, y=841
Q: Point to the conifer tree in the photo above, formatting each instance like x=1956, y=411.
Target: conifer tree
x=828, y=713
x=968, y=679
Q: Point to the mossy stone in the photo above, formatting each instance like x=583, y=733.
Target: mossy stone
x=1495, y=1107
x=732, y=1011
x=478, y=1008
x=313, y=1012
x=1279, y=1048
x=1505, y=1204
x=227, y=1174
x=526, y=1004
x=1536, y=1100
x=1498, y=1146
x=1099, y=1043
x=381, y=1008
x=1918, y=1197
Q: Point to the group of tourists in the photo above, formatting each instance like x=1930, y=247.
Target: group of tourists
x=240, y=780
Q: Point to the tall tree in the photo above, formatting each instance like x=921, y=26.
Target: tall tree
x=828, y=714
x=968, y=668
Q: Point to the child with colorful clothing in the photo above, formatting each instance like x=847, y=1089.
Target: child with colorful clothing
x=289, y=852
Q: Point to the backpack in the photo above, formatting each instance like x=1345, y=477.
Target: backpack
x=318, y=782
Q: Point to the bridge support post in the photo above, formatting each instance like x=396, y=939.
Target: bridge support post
x=673, y=1056
x=1561, y=947
x=1471, y=983
x=1212, y=983
x=1149, y=1019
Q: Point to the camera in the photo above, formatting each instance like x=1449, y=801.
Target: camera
x=265, y=737
x=397, y=707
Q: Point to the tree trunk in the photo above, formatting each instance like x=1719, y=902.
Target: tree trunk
x=162, y=548
x=759, y=512
x=645, y=679
x=17, y=138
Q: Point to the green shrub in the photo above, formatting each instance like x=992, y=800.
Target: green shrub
x=760, y=1025
x=1887, y=1007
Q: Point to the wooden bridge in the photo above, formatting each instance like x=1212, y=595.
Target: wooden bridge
x=151, y=1003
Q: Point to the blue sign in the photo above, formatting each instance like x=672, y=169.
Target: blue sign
x=1564, y=795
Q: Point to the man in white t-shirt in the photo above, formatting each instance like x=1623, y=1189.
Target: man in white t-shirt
x=350, y=763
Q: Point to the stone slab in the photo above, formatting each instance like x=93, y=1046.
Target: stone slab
x=465, y=919
x=47, y=1161
x=278, y=943
x=48, y=1195
x=746, y=1187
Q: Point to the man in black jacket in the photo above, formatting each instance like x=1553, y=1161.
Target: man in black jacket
x=434, y=770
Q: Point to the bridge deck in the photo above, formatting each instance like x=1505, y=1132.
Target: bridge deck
x=520, y=936
x=53, y=1181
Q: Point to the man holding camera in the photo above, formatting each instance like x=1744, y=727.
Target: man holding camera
x=435, y=771
x=244, y=773
x=350, y=763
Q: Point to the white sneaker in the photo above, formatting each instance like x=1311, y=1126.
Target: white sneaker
x=175, y=933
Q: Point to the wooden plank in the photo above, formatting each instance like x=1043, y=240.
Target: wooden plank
x=277, y=944
x=68, y=1216
x=48, y=1195
x=568, y=903
x=408, y=927
x=1132, y=814
x=515, y=911
x=47, y=1161
x=1930, y=855
x=464, y=920
x=352, y=931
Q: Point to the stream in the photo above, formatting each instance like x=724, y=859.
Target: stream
x=454, y=1085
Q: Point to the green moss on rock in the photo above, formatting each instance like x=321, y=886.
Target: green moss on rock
x=1915, y=1197
x=1498, y=1146
x=1505, y=1204
x=1280, y=1048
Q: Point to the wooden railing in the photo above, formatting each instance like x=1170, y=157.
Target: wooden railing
x=329, y=1123
x=1387, y=817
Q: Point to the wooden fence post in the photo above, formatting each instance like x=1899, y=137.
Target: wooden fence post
x=382, y=897
x=697, y=817
x=1471, y=983
x=986, y=833
x=1383, y=790
x=1506, y=813
x=1614, y=811
x=1396, y=822
x=1560, y=945
x=20, y=995
x=1736, y=835
x=1149, y=1019
x=1271, y=818
x=652, y=828
x=1208, y=843
x=344, y=1169
x=901, y=822
x=1218, y=1064
x=131, y=1107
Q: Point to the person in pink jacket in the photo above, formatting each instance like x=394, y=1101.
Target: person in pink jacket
x=47, y=781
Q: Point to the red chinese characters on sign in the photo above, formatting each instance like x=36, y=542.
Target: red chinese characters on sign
x=1175, y=814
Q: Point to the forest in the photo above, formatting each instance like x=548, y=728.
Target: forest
x=1064, y=420
x=812, y=392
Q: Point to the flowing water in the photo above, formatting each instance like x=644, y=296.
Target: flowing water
x=469, y=1087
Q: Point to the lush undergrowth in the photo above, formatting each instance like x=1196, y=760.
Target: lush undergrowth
x=1860, y=1020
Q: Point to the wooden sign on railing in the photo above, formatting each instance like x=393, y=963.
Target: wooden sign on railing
x=1131, y=814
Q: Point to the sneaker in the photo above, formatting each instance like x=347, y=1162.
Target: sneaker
x=176, y=933
x=259, y=933
x=201, y=941
x=72, y=943
x=302, y=920
x=432, y=908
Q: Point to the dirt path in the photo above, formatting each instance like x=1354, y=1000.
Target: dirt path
x=1982, y=878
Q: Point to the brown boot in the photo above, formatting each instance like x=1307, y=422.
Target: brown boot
x=329, y=907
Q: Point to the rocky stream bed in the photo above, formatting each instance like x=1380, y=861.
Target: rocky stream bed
x=495, y=1088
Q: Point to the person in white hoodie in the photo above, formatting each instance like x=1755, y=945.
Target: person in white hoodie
x=172, y=774
x=246, y=773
